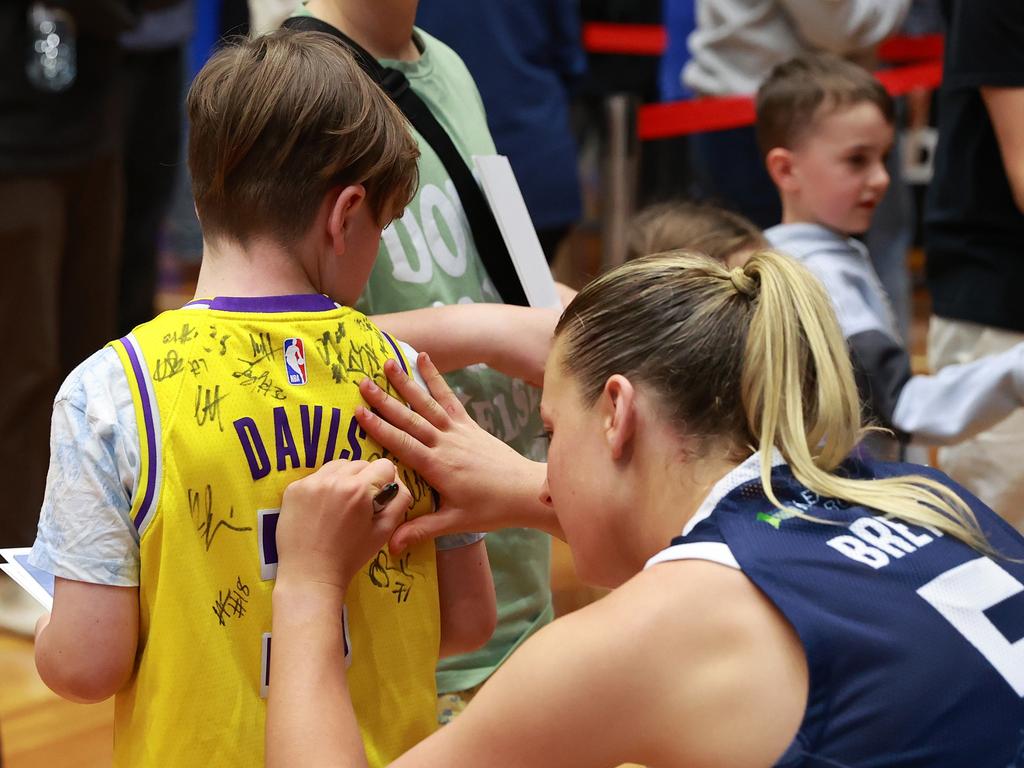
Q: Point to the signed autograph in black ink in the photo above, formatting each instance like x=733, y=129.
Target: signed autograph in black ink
x=187, y=333
x=171, y=365
x=232, y=602
x=208, y=406
x=200, y=506
x=394, y=576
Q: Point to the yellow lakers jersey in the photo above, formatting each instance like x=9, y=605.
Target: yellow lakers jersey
x=235, y=399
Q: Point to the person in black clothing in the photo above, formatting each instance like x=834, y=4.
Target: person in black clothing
x=974, y=227
x=60, y=226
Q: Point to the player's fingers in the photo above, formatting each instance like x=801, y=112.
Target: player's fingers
x=440, y=392
x=402, y=445
x=397, y=413
x=418, y=398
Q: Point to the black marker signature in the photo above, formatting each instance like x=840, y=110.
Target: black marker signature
x=394, y=576
x=171, y=365
x=187, y=333
x=208, y=405
x=262, y=384
x=232, y=602
x=200, y=506
x=262, y=349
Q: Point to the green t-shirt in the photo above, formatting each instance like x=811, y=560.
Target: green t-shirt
x=428, y=258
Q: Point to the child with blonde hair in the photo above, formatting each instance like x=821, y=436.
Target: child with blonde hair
x=722, y=234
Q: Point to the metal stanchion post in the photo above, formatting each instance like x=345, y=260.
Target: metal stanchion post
x=620, y=177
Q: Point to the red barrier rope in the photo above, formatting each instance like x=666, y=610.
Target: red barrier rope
x=628, y=39
x=651, y=39
x=679, y=118
x=901, y=49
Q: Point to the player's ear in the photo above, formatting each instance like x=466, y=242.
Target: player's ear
x=618, y=411
x=344, y=203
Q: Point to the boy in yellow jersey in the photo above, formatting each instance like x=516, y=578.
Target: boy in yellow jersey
x=171, y=447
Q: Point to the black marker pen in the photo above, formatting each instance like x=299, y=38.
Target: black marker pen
x=384, y=495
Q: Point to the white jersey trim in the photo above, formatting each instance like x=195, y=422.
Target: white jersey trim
x=713, y=551
x=744, y=473
x=155, y=442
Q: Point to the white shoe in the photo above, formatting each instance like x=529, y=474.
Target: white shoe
x=19, y=611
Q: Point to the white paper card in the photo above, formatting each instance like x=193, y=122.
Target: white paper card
x=502, y=191
x=38, y=584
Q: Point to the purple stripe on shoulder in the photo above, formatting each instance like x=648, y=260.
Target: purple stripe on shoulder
x=303, y=302
x=398, y=353
x=147, y=414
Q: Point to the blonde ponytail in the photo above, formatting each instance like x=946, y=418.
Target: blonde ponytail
x=799, y=395
x=752, y=355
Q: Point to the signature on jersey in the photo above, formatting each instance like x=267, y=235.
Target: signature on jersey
x=200, y=506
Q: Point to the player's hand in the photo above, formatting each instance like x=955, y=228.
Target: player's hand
x=328, y=528
x=484, y=485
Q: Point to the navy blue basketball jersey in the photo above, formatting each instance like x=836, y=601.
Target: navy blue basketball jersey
x=914, y=640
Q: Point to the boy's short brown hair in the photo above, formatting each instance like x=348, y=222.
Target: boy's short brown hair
x=278, y=121
x=681, y=224
x=796, y=92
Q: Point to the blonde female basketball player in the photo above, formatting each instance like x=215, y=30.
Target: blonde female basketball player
x=778, y=602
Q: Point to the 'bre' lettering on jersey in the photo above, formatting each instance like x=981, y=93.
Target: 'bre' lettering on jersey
x=914, y=640
x=233, y=404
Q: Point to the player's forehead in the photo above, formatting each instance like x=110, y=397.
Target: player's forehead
x=554, y=384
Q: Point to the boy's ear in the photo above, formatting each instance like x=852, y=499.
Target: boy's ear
x=343, y=204
x=779, y=162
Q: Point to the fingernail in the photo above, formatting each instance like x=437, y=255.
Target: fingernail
x=371, y=385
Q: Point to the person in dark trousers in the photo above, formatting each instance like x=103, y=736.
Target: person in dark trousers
x=152, y=73
x=60, y=228
x=974, y=227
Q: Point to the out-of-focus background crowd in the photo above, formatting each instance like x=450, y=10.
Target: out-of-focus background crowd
x=603, y=107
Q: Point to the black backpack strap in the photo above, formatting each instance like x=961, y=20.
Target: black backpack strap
x=486, y=234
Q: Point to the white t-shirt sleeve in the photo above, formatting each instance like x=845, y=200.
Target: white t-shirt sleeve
x=85, y=529
x=451, y=540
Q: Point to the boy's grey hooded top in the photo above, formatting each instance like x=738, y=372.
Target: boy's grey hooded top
x=952, y=405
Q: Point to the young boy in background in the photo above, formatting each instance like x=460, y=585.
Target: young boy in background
x=825, y=126
x=172, y=447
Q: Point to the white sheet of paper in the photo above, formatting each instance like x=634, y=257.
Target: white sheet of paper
x=38, y=584
x=502, y=191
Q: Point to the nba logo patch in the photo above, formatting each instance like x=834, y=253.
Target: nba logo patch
x=295, y=361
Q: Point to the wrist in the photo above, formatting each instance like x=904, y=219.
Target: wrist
x=298, y=595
